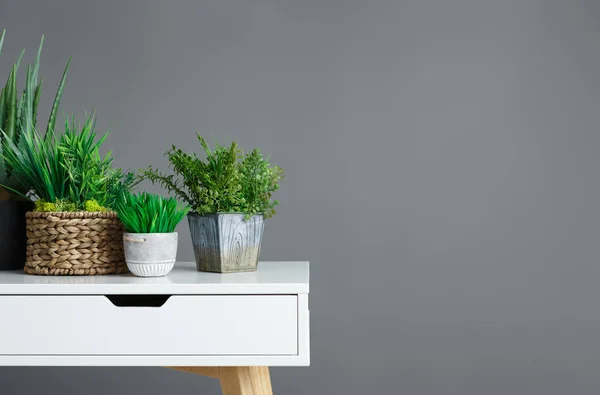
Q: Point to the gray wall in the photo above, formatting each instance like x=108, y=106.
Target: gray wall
x=441, y=174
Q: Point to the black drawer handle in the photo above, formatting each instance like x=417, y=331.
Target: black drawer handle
x=138, y=300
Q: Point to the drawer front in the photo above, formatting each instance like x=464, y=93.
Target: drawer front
x=183, y=325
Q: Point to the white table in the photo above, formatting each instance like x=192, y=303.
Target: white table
x=228, y=326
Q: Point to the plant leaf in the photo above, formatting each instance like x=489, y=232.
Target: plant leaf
x=56, y=103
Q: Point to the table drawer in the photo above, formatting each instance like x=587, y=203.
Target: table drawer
x=128, y=325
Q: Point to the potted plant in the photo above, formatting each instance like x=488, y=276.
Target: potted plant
x=229, y=193
x=73, y=230
x=18, y=113
x=150, y=240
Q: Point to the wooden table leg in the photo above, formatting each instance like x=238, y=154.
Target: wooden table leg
x=237, y=380
x=245, y=380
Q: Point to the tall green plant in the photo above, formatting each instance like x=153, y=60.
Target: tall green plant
x=18, y=113
x=226, y=181
x=150, y=213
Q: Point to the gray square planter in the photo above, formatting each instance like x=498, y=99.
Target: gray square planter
x=226, y=243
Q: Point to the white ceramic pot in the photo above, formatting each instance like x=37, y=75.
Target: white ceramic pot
x=150, y=254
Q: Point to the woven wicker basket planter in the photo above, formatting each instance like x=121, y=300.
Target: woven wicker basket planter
x=80, y=243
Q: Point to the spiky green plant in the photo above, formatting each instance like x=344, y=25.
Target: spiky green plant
x=68, y=168
x=39, y=163
x=227, y=181
x=150, y=213
x=18, y=113
x=87, y=171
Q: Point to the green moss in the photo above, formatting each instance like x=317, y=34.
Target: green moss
x=92, y=206
x=58, y=206
x=43, y=206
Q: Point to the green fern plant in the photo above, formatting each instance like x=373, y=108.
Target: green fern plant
x=227, y=181
x=18, y=115
x=150, y=213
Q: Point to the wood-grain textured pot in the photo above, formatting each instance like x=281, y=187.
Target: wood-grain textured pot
x=226, y=243
x=13, y=238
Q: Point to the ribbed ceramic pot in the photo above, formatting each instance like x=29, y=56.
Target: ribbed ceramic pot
x=150, y=254
x=226, y=243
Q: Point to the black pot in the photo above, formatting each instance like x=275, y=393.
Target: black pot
x=13, y=239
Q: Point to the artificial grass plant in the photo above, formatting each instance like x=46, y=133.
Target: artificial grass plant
x=149, y=213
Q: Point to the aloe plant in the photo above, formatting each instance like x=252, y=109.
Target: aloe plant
x=18, y=115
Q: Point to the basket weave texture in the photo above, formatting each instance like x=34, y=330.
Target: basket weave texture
x=80, y=243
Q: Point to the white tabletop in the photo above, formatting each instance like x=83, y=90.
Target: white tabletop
x=270, y=278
